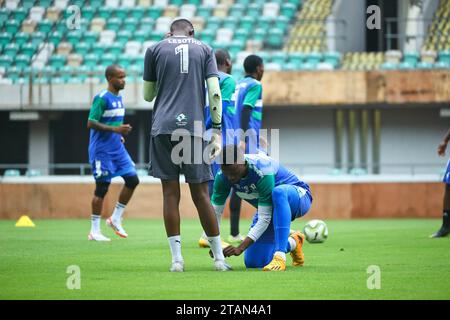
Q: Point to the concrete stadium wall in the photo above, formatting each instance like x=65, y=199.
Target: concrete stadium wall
x=331, y=200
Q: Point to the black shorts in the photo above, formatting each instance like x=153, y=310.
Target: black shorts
x=168, y=159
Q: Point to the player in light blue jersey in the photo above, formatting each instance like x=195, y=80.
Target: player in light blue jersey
x=279, y=196
x=107, y=153
x=249, y=104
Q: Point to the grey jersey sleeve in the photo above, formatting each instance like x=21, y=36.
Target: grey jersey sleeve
x=149, y=66
x=211, y=65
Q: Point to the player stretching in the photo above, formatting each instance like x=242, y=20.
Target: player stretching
x=229, y=127
x=107, y=154
x=175, y=72
x=445, y=228
x=279, y=196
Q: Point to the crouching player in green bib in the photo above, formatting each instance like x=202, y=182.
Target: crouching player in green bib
x=279, y=196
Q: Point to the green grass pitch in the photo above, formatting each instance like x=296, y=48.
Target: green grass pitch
x=34, y=262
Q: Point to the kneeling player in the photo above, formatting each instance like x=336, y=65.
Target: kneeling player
x=107, y=153
x=279, y=196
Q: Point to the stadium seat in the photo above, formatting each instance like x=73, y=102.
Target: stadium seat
x=444, y=56
x=157, y=35
x=333, y=58
x=108, y=36
x=279, y=57
x=53, y=14
x=288, y=10
x=163, y=24
x=12, y=26
x=146, y=24
x=271, y=9
x=105, y=12
x=171, y=12
x=123, y=36
x=237, y=10
x=5, y=61
x=113, y=24
x=22, y=61
x=21, y=38
x=275, y=39
x=62, y=4
x=57, y=61
x=98, y=25
x=411, y=58
x=121, y=12
x=108, y=59
x=27, y=4
x=125, y=60
x=37, y=13
x=204, y=12
x=74, y=60
x=29, y=49
x=45, y=26
x=133, y=48
x=207, y=36
x=130, y=24
x=19, y=14
x=64, y=48
x=235, y=46
x=230, y=23
x=90, y=37
x=220, y=11
x=4, y=14
x=37, y=38
x=154, y=12
x=11, y=173
x=259, y=34
x=90, y=60
x=187, y=11
x=224, y=35
x=213, y=23
x=11, y=4
x=241, y=34
x=137, y=13
x=264, y=22
x=11, y=49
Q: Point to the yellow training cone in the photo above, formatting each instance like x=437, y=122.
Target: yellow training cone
x=24, y=221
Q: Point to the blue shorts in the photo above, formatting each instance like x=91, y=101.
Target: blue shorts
x=261, y=252
x=447, y=174
x=107, y=166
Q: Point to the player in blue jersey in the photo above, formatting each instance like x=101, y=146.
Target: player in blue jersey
x=107, y=154
x=249, y=103
x=279, y=196
x=445, y=228
x=229, y=127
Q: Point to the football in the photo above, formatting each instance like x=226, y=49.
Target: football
x=315, y=231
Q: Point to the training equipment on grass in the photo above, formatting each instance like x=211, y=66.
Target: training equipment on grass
x=316, y=231
x=25, y=221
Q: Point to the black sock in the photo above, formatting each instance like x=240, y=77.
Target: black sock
x=235, y=211
x=446, y=219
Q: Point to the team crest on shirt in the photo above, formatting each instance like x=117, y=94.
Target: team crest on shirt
x=181, y=120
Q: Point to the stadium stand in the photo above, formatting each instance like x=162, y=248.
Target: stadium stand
x=42, y=38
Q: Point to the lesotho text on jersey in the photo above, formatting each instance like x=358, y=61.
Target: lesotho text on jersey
x=184, y=40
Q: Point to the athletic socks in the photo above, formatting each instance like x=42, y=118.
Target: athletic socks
x=446, y=220
x=235, y=211
x=292, y=244
x=216, y=247
x=95, y=223
x=175, y=248
x=118, y=212
x=280, y=254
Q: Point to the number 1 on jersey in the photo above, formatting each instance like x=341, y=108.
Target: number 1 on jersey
x=183, y=50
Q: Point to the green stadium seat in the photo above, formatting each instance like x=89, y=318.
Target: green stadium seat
x=105, y=13
x=21, y=38
x=313, y=58
x=289, y=67
x=141, y=35
x=22, y=61
x=12, y=26
x=96, y=3
x=90, y=37
x=230, y=22
x=241, y=34
x=444, y=56
x=296, y=58
x=66, y=73
x=411, y=57
x=130, y=24
x=237, y=10
x=98, y=49
x=4, y=14
x=45, y=26
x=90, y=60
x=57, y=61
x=124, y=60
x=147, y=24
x=113, y=24
x=389, y=66
x=307, y=66
x=425, y=65
x=279, y=57
x=156, y=35
x=195, y=2
x=253, y=10
x=177, y=2
x=55, y=38
x=123, y=37
x=154, y=12
x=61, y=26
x=87, y=12
x=406, y=65
x=115, y=49
x=264, y=55
x=264, y=22
x=37, y=38
x=236, y=46
x=213, y=23
x=73, y=37
x=204, y=11
x=247, y=23
x=29, y=49
x=220, y=45
x=259, y=34
x=333, y=58
x=45, y=3
x=108, y=59
x=82, y=48
x=121, y=13
x=137, y=13
x=282, y=23
x=5, y=38
x=207, y=36
x=275, y=38
x=27, y=4
x=288, y=10
x=11, y=49
x=442, y=65
x=81, y=73
x=20, y=14
x=5, y=61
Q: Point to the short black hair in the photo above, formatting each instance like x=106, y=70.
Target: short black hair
x=221, y=57
x=231, y=154
x=111, y=70
x=251, y=63
x=181, y=24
